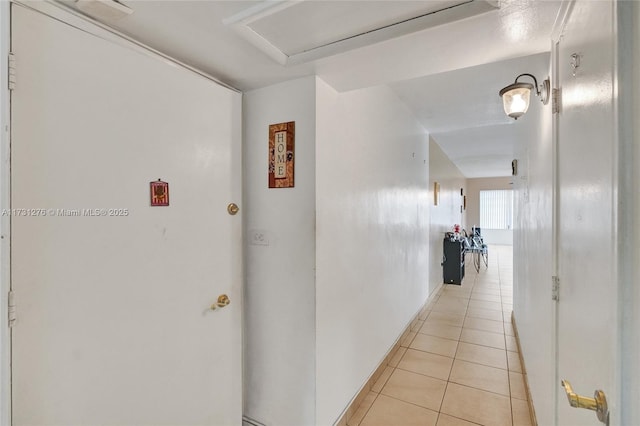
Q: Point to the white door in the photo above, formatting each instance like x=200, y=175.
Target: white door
x=587, y=210
x=111, y=293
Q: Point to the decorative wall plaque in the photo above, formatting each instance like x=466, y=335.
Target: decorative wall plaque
x=282, y=154
x=159, y=193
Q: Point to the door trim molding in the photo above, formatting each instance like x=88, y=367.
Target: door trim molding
x=5, y=220
x=561, y=20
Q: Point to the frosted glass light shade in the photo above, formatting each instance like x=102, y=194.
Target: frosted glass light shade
x=515, y=99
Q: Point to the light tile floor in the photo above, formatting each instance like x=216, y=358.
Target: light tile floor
x=461, y=366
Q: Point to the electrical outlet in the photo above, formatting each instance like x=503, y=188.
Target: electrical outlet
x=258, y=237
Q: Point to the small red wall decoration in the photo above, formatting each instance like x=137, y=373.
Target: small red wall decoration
x=159, y=193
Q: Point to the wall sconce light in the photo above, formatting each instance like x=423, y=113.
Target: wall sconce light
x=515, y=97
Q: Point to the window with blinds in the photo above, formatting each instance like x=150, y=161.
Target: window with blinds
x=496, y=209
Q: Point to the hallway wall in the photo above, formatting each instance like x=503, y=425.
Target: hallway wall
x=447, y=213
x=346, y=265
x=533, y=308
x=279, y=299
x=372, y=235
x=490, y=236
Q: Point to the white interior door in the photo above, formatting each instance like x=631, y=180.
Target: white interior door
x=113, y=327
x=587, y=210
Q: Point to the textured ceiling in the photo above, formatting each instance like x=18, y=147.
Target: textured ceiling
x=431, y=69
x=463, y=113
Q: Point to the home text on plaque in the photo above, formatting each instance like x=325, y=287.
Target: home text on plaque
x=282, y=154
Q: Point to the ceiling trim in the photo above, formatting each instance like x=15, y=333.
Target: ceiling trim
x=241, y=24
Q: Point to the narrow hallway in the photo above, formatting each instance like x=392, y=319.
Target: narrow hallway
x=459, y=365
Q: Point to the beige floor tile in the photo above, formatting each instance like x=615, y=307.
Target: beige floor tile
x=387, y=411
x=483, y=338
x=450, y=297
x=397, y=357
x=480, y=304
x=486, y=297
x=486, y=283
x=415, y=388
x=518, y=390
x=424, y=314
x=441, y=330
x=431, y=365
x=456, y=290
x=513, y=360
x=436, y=345
x=408, y=338
x=506, y=316
x=379, y=384
x=362, y=410
x=480, y=377
x=451, y=303
x=484, y=324
x=417, y=325
x=445, y=319
x=476, y=405
x=521, y=415
x=485, y=314
x=487, y=280
x=429, y=306
x=484, y=355
x=459, y=310
x=446, y=420
x=508, y=329
x=512, y=344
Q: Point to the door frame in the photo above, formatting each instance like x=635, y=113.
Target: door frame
x=556, y=36
x=68, y=15
x=626, y=16
x=5, y=221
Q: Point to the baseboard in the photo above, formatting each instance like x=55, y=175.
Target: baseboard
x=532, y=411
x=404, y=340
x=248, y=421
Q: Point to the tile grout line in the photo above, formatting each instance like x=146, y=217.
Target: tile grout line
x=505, y=342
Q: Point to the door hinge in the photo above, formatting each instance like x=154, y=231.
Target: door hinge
x=555, y=288
x=555, y=100
x=12, y=308
x=12, y=71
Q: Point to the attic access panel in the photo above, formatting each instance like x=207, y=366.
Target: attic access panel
x=294, y=32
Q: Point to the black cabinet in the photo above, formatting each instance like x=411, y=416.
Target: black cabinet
x=453, y=262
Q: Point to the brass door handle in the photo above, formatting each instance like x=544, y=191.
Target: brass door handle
x=598, y=403
x=223, y=300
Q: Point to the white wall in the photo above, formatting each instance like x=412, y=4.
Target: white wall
x=372, y=202
x=447, y=213
x=280, y=277
x=490, y=236
x=533, y=307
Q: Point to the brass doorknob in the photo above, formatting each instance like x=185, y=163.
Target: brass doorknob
x=233, y=209
x=598, y=403
x=223, y=300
